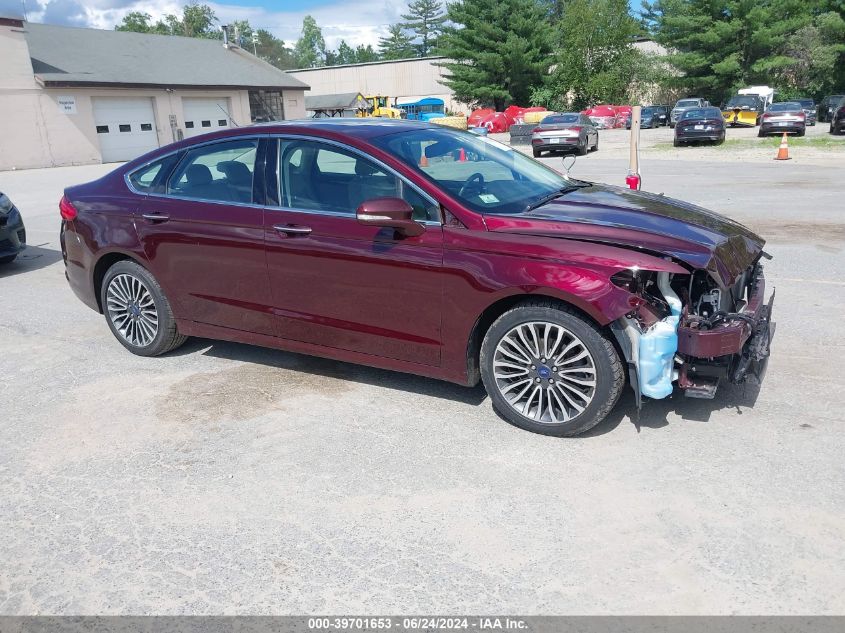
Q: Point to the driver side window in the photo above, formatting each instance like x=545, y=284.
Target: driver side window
x=322, y=177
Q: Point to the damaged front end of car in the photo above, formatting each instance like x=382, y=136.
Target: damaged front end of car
x=693, y=332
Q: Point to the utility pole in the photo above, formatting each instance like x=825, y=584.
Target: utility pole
x=255, y=43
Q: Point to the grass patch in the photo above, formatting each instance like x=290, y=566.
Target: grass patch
x=827, y=141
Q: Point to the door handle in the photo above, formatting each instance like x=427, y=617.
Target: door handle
x=292, y=229
x=155, y=217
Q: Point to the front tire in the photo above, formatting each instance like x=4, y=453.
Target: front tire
x=137, y=312
x=550, y=371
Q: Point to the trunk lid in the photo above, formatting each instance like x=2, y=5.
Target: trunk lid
x=612, y=215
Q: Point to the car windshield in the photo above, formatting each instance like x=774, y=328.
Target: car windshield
x=833, y=99
x=807, y=103
x=739, y=101
x=702, y=113
x=481, y=173
x=648, y=112
x=786, y=106
x=560, y=118
x=687, y=103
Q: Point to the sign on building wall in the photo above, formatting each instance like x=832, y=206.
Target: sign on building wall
x=67, y=105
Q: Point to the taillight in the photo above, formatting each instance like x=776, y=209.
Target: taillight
x=802, y=115
x=577, y=128
x=536, y=129
x=767, y=115
x=66, y=209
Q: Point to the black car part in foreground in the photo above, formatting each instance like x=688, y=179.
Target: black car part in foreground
x=12, y=231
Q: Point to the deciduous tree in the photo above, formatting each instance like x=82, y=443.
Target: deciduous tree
x=310, y=49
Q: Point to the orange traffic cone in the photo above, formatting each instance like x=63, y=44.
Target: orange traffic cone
x=423, y=161
x=462, y=156
x=783, y=150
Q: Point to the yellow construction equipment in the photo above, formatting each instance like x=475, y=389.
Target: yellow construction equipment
x=379, y=106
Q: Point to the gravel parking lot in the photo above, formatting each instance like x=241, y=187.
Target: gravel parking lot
x=229, y=479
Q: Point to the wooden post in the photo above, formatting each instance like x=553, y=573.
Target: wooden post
x=633, y=179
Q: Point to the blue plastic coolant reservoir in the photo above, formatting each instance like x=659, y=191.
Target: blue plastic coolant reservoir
x=658, y=346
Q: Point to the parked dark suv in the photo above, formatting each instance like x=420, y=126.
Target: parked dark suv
x=837, y=118
x=12, y=231
x=423, y=249
x=824, y=111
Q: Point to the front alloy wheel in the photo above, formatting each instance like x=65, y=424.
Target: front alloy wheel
x=544, y=372
x=549, y=370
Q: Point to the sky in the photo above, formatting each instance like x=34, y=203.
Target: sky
x=356, y=21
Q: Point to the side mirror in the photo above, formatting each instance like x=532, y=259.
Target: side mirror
x=393, y=213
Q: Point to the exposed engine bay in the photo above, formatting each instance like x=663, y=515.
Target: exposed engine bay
x=687, y=330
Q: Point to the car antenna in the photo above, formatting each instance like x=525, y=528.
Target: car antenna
x=228, y=116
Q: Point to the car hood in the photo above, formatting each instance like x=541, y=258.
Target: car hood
x=693, y=235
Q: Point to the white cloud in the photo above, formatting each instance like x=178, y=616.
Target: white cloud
x=356, y=21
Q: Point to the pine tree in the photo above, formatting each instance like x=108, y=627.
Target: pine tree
x=310, y=49
x=397, y=44
x=425, y=19
x=498, y=50
x=722, y=46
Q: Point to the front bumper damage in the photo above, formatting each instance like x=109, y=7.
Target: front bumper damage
x=735, y=350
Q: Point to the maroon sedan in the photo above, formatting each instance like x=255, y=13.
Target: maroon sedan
x=422, y=249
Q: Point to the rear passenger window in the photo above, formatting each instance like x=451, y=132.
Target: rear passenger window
x=222, y=172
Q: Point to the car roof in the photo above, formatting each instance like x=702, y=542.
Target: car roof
x=333, y=128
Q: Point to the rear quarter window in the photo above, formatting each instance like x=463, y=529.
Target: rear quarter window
x=152, y=178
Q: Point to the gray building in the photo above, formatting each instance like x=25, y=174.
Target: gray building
x=74, y=96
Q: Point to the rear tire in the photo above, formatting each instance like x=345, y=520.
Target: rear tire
x=137, y=312
x=582, y=149
x=536, y=153
x=676, y=142
x=570, y=391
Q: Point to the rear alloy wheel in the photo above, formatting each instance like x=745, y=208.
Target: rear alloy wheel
x=137, y=311
x=548, y=370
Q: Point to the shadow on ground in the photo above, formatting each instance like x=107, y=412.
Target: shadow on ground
x=324, y=367
x=653, y=415
x=29, y=260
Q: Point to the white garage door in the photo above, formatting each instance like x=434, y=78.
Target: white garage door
x=125, y=127
x=204, y=115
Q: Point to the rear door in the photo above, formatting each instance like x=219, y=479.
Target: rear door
x=204, y=236
x=339, y=284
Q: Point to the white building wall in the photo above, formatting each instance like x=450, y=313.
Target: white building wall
x=35, y=131
x=408, y=80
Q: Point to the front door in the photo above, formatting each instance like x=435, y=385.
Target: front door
x=340, y=284
x=204, y=237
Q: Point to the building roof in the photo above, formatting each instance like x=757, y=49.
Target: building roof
x=341, y=101
x=66, y=56
x=430, y=58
